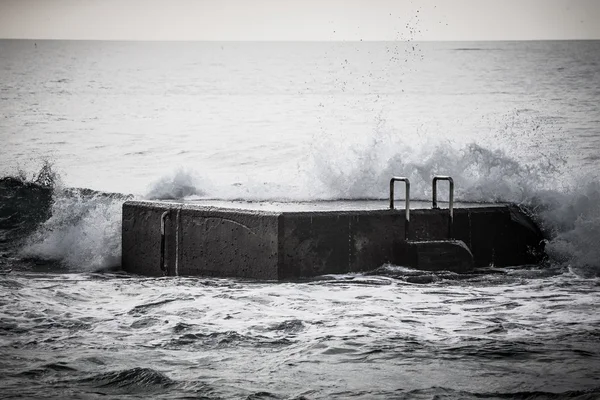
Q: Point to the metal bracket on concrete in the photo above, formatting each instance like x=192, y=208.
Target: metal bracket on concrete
x=163, y=219
x=407, y=200
x=450, y=201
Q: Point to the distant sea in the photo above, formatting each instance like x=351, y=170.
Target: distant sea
x=84, y=126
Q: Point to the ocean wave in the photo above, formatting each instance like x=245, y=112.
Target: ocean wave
x=23, y=205
x=83, y=231
x=178, y=185
x=225, y=340
x=78, y=228
x=81, y=228
x=443, y=393
x=136, y=379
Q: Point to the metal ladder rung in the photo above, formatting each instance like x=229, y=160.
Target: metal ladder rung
x=450, y=201
x=406, y=201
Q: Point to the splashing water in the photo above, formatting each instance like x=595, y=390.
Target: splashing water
x=180, y=184
x=84, y=232
x=564, y=204
x=78, y=228
x=84, y=229
x=574, y=221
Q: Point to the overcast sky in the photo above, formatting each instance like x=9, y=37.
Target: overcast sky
x=300, y=19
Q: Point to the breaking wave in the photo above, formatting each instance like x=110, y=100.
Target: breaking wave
x=77, y=228
x=83, y=231
x=180, y=184
x=566, y=205
x=81, y=228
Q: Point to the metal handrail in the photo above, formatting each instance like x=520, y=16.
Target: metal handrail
x=450, y=201
x=407, y=200
x=163, y=218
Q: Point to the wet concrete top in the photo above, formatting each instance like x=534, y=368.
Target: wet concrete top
x=319, y=206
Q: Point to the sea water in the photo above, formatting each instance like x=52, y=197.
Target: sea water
x=87, y=125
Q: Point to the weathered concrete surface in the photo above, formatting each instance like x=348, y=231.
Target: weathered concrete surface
x=320, y=243
x=221, y=243
x=141, y=238
x=203, y=240
x=500, y=236
x=200, y=241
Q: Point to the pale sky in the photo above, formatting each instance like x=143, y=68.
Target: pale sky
x=300, y=19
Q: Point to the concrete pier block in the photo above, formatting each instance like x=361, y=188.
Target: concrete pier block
x=275, y=242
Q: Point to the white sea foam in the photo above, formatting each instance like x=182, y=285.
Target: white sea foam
x=180, y=183
x=574, y=220
x=84, y=232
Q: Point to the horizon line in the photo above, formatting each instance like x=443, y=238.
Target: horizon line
x=299, y=40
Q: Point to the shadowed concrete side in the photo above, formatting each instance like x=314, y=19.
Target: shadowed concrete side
x=204, y=241
x=228, y=243
x=141, y=238
x=439, y=255
x=320, y=243
x=500, y=236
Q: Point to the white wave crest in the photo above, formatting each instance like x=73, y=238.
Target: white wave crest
x=181, y=183
x=84, y=232
x=574, y=221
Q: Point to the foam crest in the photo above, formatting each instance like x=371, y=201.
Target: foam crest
x=84, y=231
x=189, y=184
x=573, y=219
x=480, y=174
x=181, y=183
